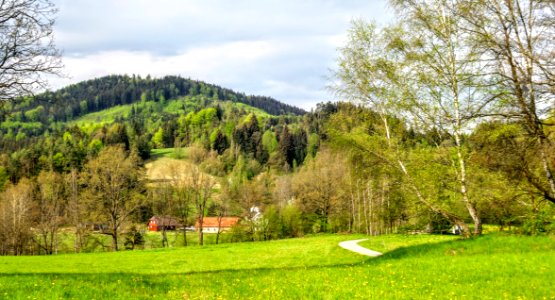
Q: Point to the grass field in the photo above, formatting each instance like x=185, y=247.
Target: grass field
x=413, y=267
x=175, y=153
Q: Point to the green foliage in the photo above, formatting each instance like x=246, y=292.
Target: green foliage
x=34, y=114
x=133, y=238
x=313, y=144
x=158, y=139
x=291, y=218
x=3, y=177
x=28, y=126
x=218, y=141
x=269, y=141
x=59, y=161
x=542, y=222
x=95, y=146
x=20, y=136
x=83, y=107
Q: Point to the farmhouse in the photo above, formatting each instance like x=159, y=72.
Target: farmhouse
x=158, y=223
x=212, y=224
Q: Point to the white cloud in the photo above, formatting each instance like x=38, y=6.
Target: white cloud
x=202, y=61
x=281, y=49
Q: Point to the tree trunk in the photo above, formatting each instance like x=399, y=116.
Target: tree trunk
x=200, y=232
x=367, y=212
x=184, y=235
x=219, y=228
x=470, y=206
x=464, y=191
x=547, y=169
x=76, y=240
x=115, y=240
x=164, y=237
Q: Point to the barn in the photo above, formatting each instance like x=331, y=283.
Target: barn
x=215, y=224
x=159, y=223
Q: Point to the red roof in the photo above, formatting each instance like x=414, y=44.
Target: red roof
x=226, y=222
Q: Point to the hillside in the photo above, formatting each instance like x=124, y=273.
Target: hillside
x=413, y=266
x=102, y=93
x=105, y=99
x=141, y=113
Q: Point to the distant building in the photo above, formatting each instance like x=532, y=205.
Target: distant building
x=456, y=229
x=159, y=223
x=96, y=227
x=212, y=224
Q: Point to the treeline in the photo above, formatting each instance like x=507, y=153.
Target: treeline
x=334, y=170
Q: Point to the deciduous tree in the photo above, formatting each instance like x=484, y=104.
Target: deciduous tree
x=27, y=51
x=113, y=189
x=517, y=42
x=370, y=72
x=16, y=206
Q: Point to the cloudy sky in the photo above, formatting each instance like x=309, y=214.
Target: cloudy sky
x=283, y=49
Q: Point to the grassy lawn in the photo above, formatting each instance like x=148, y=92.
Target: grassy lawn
x=175, y=153
x=413, y=267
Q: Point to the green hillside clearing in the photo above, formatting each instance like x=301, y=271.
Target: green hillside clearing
x=178, y=106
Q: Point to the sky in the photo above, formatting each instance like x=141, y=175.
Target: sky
x=283, y=49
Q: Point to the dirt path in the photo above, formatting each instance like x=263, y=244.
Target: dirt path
x=355, y=247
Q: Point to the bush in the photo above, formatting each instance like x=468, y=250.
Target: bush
x=133, y=238
x=539, y=223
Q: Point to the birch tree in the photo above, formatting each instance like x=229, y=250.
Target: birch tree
x=370, y=72
x=516, y=39
x=446, y=90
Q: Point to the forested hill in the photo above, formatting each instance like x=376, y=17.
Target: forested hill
x=109, y=91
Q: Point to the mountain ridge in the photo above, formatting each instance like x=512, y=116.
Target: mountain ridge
x=105, y=92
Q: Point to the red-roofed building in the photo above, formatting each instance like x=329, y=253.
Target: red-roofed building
x=159, y=223
x=215, y=224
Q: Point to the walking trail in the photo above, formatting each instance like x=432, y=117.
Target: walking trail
x=355, y=247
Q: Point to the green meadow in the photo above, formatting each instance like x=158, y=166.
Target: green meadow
x=180, y=106
x=494, y=266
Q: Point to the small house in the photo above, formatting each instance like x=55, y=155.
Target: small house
x=217, y=224
x=159, y=223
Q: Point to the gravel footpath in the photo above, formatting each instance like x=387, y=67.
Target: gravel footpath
x=355, y=247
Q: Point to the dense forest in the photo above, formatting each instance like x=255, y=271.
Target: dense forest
x=34, y=115
x=452, y=127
